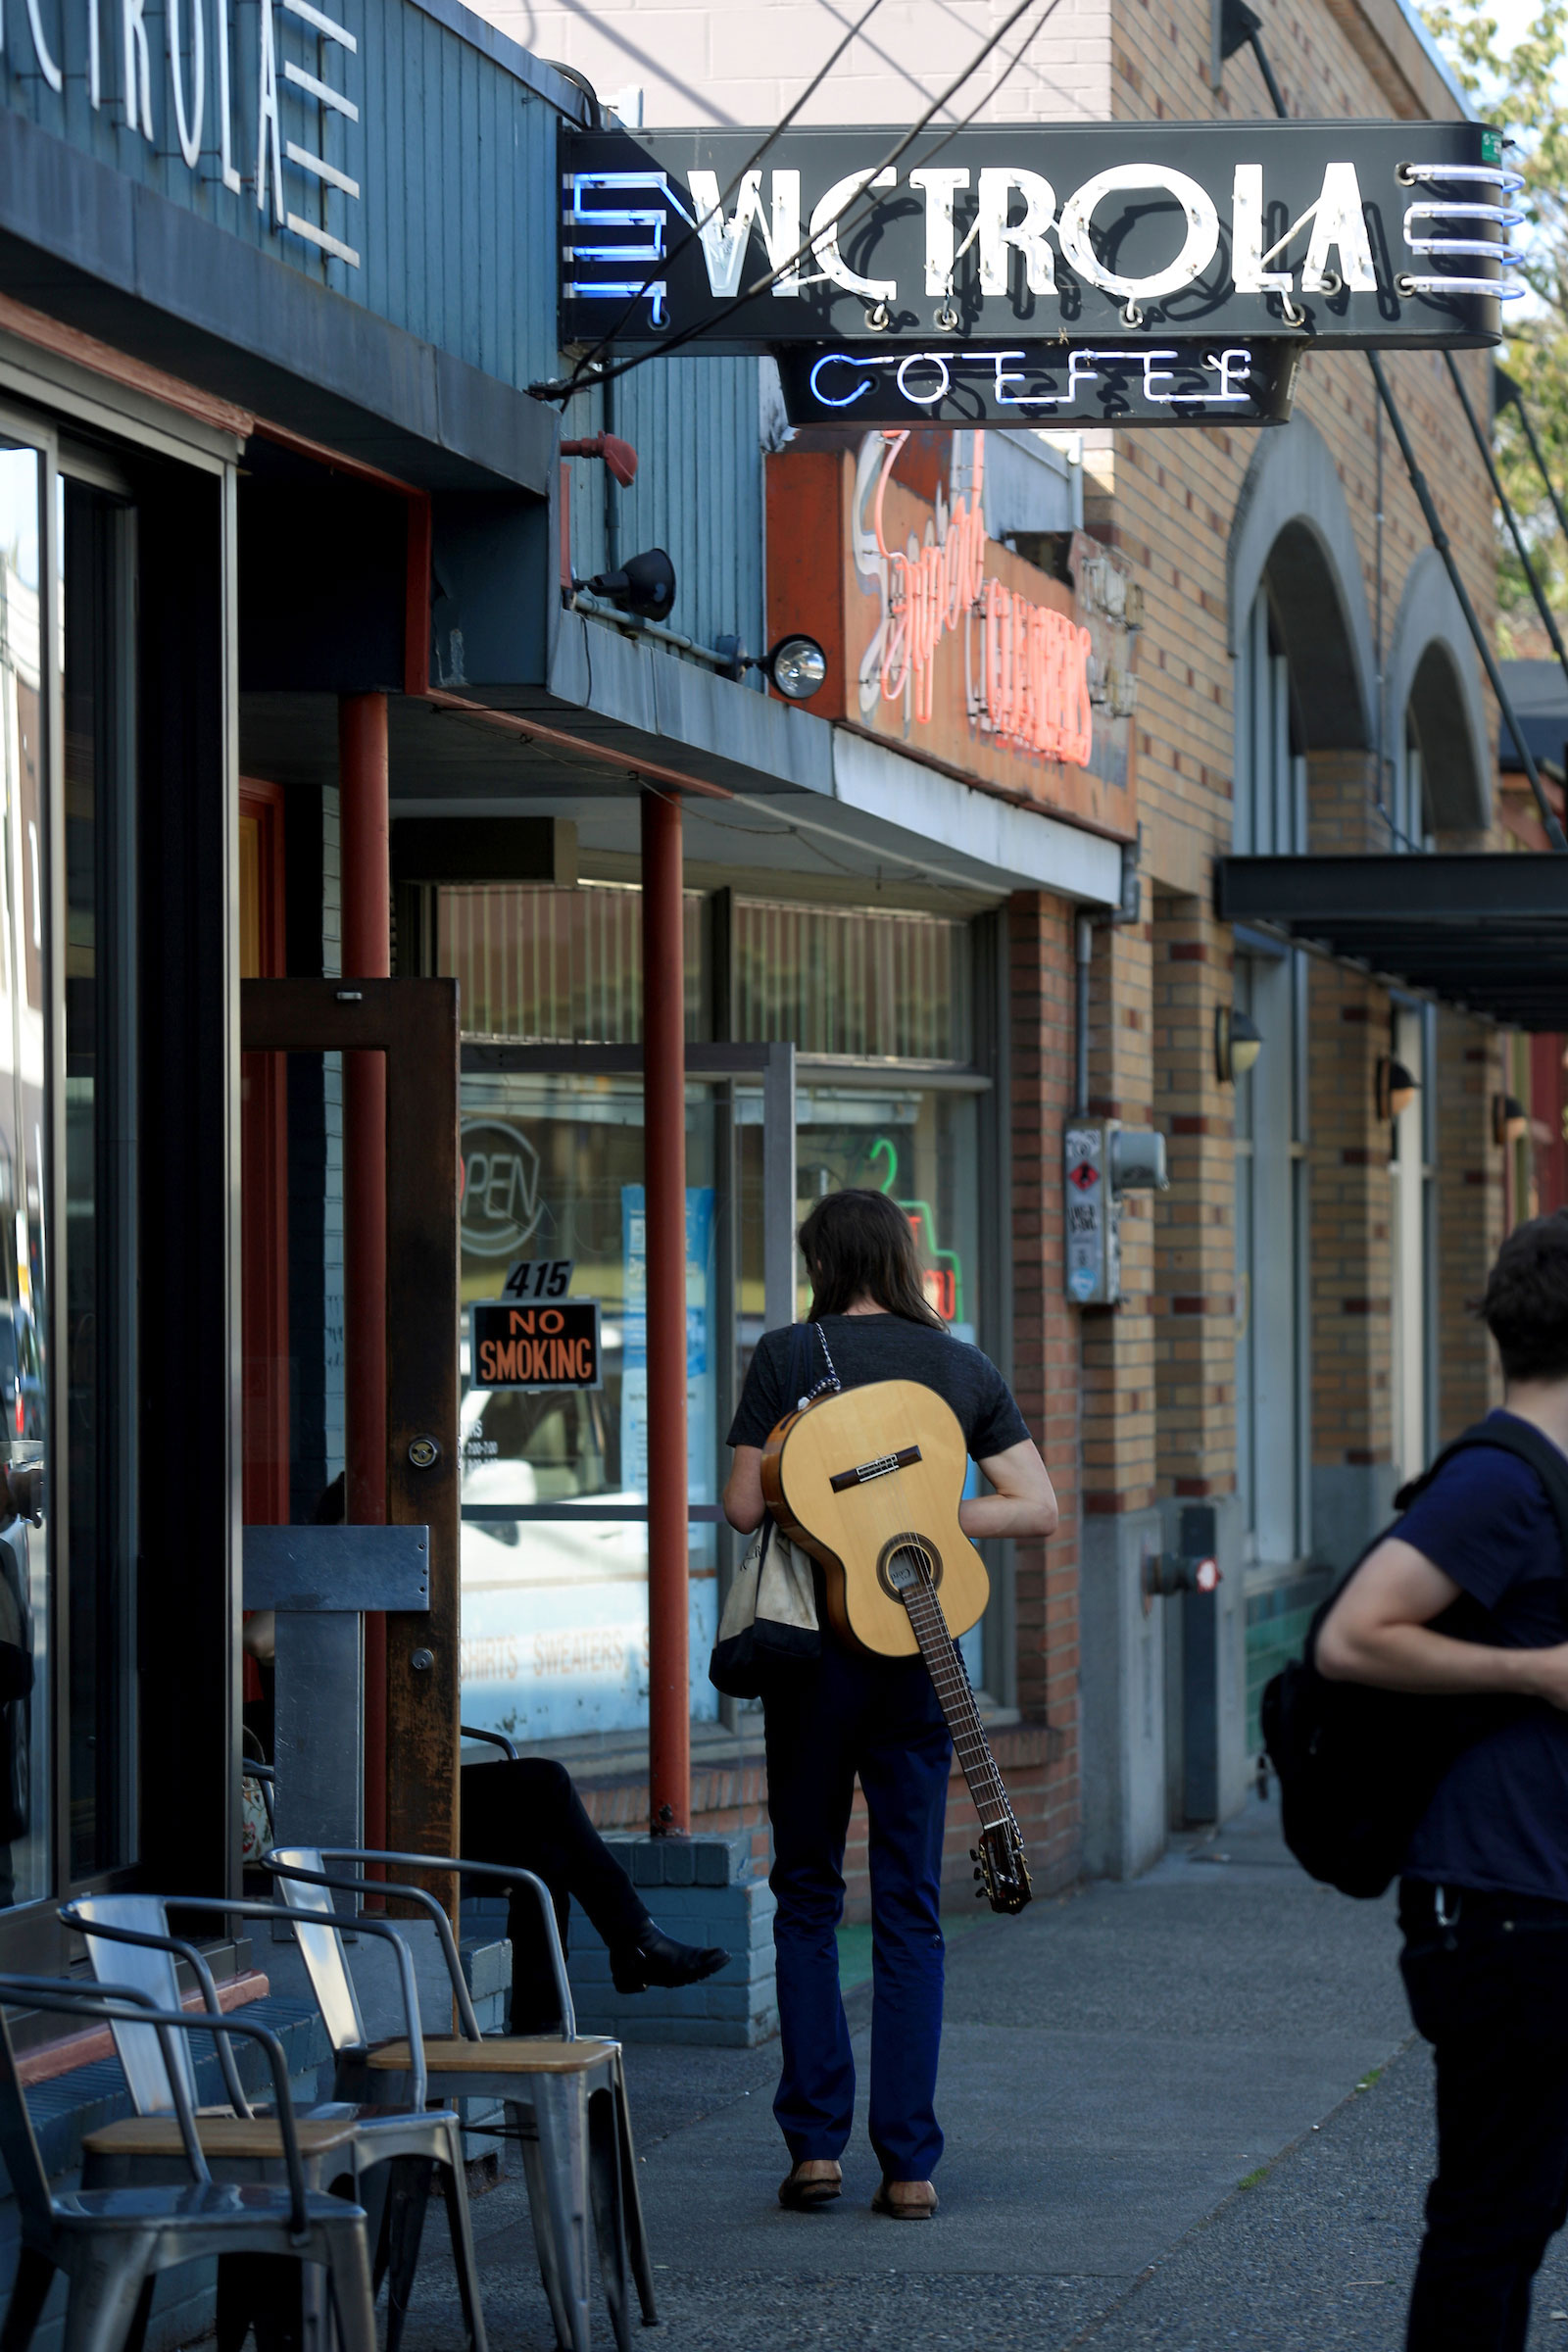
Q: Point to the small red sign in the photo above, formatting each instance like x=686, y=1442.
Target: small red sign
x=1083, y=1175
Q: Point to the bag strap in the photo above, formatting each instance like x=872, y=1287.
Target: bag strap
x=798, y=1392
x=1510, y=1436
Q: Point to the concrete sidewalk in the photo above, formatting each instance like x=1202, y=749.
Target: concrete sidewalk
x=1155, y=2139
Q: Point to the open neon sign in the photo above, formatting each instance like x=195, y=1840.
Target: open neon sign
x=1027, y=678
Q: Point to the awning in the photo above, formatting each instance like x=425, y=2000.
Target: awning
x=1487, y=934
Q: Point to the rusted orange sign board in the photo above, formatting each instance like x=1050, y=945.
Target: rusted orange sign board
x=943, y=641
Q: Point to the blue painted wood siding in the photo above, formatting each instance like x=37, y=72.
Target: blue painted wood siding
x=694, y=424
x=455, y=227
x=453, y=151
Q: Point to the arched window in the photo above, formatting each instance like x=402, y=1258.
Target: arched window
x=1272, y=1455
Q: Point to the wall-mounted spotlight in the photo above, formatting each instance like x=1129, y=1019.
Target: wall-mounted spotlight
x=644, y=585
x=1395, y=1088
x=620, y=458
x=796, y=668
x=1510, y=1122
x=1238, y=1043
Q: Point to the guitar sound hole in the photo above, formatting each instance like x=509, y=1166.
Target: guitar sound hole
x=921, y=1548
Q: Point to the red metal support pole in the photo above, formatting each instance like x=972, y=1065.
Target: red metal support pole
x=365, y=855
x=665, y=1205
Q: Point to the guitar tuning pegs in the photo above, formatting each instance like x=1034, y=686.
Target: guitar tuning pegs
x=974, y=1853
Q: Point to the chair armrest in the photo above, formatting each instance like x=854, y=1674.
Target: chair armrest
x=407, y=1982
x=127, y=2006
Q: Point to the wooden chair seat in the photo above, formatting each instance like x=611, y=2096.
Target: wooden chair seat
x=220, y=2134
x=513, y=2053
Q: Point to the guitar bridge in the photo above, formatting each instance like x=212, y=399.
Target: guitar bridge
x=883, y=1467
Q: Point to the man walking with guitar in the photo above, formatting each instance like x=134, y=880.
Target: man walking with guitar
x=876, y=1703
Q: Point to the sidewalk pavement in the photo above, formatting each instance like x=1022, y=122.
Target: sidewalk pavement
x=1182, y=2113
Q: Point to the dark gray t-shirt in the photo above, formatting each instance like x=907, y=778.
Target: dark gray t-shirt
x=868, y=1348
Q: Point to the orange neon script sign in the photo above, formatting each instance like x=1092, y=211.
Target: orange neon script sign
x=1026, y=665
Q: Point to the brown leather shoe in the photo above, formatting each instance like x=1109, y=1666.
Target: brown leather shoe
x=816, y=2180
x=905, y=2200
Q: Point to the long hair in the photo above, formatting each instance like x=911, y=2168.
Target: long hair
x=860, y=1244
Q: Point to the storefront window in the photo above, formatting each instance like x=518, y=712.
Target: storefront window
x=554, y=1552
x=26, y=1715
x=848, y=980
x=555, y=1608
x=536, y=962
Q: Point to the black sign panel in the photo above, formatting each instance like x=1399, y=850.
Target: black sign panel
x=1346, y=235
x=1206, y=382
x=514, y=1347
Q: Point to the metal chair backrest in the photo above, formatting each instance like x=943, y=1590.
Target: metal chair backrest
x=113, y=2003
x=151, y=1972
x=320, y=1944
x=297, y=1865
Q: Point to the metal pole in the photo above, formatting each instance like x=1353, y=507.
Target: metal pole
x=1509, y=516
x=1489, y=661
x=366, y=955
x=664, y=1228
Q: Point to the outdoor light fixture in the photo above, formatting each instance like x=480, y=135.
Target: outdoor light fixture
x=1238, y=1043
x=1510, y=1122
x=1395, y=1088
x=795, y=668
x=620, y=458
x=644, y=585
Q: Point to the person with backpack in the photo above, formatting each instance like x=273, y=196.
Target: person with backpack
x=1466, y=1599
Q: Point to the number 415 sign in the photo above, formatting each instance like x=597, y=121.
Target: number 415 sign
x=538, y=1278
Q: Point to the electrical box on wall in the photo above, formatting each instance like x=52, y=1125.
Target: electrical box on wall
x=1102, y=1161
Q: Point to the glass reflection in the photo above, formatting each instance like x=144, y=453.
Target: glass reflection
x=24, y=1779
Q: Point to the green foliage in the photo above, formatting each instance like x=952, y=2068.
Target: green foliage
x=1525, y=91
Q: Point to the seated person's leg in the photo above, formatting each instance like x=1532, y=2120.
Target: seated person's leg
x=529, y=1813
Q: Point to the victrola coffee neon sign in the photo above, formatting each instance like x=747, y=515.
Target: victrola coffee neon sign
x=1341, y=233
x=1026, y=665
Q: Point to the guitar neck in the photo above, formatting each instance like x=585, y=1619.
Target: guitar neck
x=946, y=1669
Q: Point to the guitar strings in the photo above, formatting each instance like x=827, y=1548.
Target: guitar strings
x=943, y=1658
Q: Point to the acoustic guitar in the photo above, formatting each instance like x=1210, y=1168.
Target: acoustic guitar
x=869, y=1481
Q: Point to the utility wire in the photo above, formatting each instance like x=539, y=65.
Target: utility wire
x=1547, y=617
x=705, y=327
x=579, y=373
x=1556, y=839
x=1515, y=393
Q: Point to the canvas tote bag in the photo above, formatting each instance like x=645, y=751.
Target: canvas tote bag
x=771, y=1617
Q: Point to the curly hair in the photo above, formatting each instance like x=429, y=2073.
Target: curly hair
x=1525, y=1303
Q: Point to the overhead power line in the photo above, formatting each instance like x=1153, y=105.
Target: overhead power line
x=581, y=374
x=760, y=285
x=1556, y=839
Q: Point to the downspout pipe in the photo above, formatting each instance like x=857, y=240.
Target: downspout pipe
x=1086, y=949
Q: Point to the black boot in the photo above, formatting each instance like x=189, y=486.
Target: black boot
x=657, y=1959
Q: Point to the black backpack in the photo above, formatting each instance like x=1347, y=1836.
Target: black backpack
x=1358, y=1767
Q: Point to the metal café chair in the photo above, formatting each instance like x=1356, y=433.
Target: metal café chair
x=128, y=1936
x=111, y=2243
x=564, y=2097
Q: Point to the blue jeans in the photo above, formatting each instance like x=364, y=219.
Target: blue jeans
x=878, y=1718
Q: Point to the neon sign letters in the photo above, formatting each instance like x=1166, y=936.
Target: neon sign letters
x=1188, y=382
x=1026, y=665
